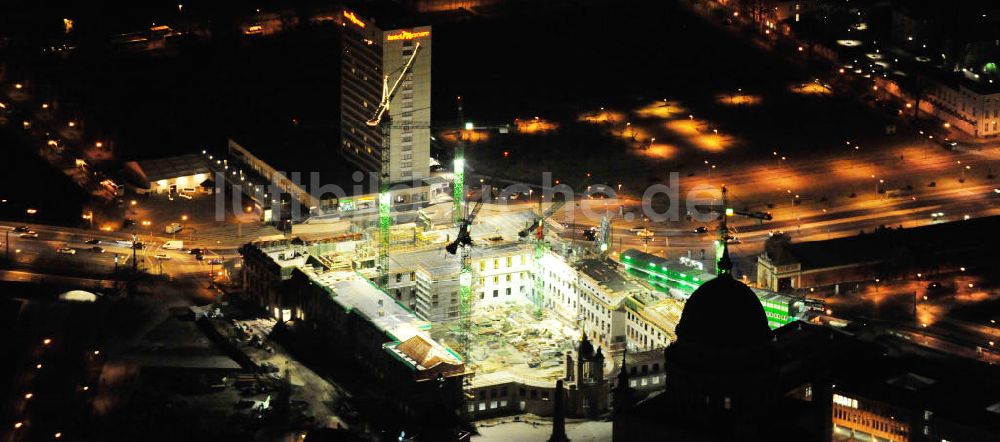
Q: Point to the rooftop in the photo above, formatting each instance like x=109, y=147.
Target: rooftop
x=173, y=167
x=607, y=276
x=885, y=243
x=411, y=341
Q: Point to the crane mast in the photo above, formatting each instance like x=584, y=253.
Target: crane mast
x=725, y=212
x=382, y=120
x=462, y=245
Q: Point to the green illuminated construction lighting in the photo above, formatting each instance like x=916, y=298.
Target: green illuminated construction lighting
x=729, y=211
x=458, y=187
x=661, y=275
x=537, y=297
x=719, y=248
x=469, y=125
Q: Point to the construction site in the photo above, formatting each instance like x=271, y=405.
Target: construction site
x=510, y=343
x=475, y=287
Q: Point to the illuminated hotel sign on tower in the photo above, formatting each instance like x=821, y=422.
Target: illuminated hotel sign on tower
x=406, y=35
x=367, y=54
x=411, y=145
x=353, y=18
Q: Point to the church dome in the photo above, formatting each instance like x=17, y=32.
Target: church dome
x=723, y=313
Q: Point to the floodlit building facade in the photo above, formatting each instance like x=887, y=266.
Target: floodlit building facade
x=369, y=54
x=410, y=134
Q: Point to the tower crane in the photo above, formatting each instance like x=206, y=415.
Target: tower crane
x=462, y=245
x=541, y=246
x=382, y=120
x=724, y=236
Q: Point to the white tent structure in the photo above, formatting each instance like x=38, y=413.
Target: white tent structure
x=78, y=296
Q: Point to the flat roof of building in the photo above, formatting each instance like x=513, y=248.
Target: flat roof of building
x=174, y=167
x=607, y=275
x=356, y=294
x=963, y=236
x=683, y=276
x=665, y=313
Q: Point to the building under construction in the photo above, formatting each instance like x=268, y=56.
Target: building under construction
x=504, y=345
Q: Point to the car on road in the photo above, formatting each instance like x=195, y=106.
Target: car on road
x=93, y=242
x=215, y=261
x=734, y=240
x=29, y=234
x=162, y=256
x=97, y=249
x=701, y=229
x=138, y=245
x=128, y=222
x=66, y=251
x=22, y=229
x=196, y=251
